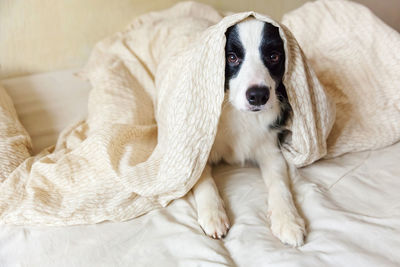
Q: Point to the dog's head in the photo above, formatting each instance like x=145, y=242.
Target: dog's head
x=255, y=64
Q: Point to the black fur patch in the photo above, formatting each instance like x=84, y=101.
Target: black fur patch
x=233, y=45
x=272, y=43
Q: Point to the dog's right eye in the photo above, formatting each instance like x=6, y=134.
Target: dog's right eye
x=232, y=59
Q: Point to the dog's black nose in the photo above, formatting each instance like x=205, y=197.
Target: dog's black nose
x=257, y=95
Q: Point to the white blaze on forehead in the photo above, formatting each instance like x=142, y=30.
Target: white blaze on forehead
x=252, y=71
x=251, y=33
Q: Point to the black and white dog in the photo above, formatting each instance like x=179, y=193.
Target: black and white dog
x=249, y=129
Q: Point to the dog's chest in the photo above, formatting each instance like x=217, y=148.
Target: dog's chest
x=241, y=136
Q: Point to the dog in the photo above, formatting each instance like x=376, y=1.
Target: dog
x=253, y=114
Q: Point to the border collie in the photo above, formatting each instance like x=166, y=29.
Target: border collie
x=249, y=130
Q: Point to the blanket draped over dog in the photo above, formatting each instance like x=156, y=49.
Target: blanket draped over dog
x=156, y=100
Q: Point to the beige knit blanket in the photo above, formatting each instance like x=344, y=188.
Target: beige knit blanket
x=156, y=100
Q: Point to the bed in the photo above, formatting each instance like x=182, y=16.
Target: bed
x=351, y=204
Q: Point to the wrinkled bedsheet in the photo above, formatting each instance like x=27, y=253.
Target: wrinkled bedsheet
x=351, y=204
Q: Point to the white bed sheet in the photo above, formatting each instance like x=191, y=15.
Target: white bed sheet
x=351, y=204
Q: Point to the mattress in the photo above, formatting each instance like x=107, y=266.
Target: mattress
x=351, y=205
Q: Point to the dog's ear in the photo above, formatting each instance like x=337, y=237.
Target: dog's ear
x=281, y=92
x=284, y=114
x=286, y=109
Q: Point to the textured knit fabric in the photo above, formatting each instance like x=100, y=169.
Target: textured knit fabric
x=152, y=118
x=356, y=57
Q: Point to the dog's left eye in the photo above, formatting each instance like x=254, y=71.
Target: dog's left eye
x=274, y=57
x=232, y=58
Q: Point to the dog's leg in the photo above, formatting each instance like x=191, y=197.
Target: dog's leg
x=210, y=207
x=286, y=223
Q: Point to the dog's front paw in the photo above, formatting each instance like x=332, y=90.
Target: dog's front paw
x=214, y=221
x=288, y=227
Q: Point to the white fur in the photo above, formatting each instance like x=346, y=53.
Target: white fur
x=245, y=136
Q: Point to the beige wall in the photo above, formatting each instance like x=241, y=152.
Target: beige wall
x=43, y=35
x=387, y=10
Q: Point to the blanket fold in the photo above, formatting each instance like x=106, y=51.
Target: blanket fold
x=153, y=112
x=356, y=57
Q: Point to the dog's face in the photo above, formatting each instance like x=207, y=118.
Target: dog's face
x=255, y=64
